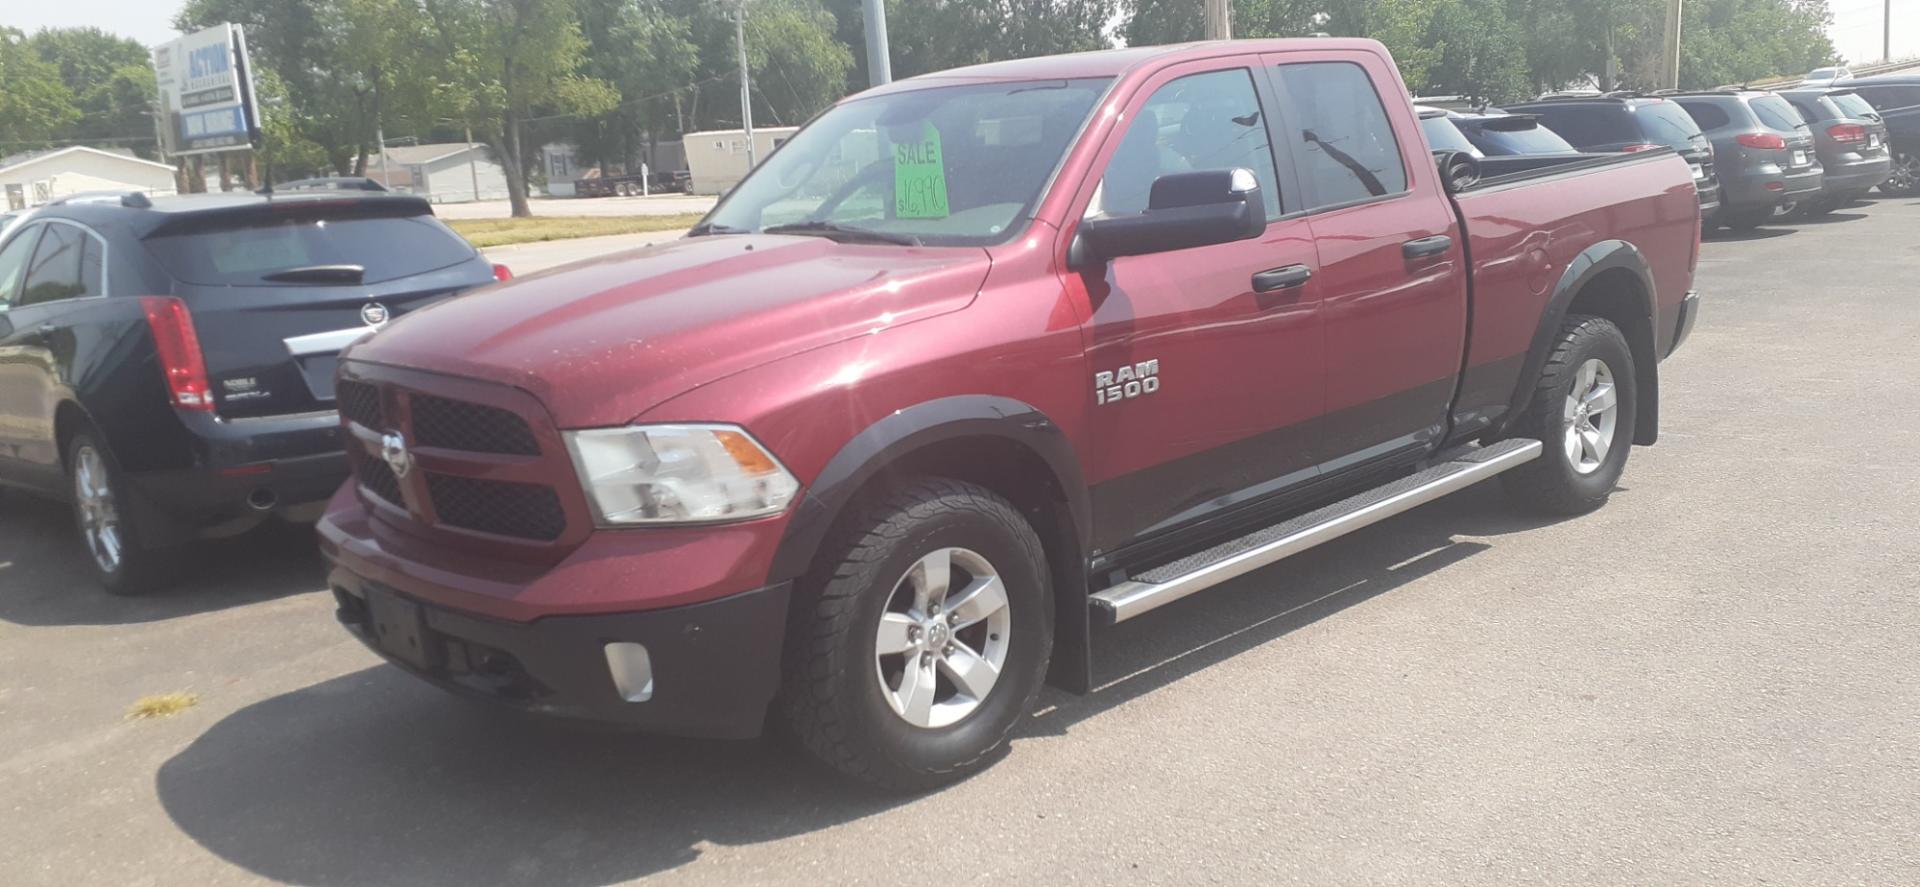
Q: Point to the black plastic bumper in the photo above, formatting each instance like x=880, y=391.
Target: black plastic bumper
x=715, y=666
x=243, y=472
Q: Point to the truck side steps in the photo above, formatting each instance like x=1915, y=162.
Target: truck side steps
x=1196, y=572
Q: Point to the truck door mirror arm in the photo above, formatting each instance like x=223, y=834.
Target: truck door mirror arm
x=1184, y=210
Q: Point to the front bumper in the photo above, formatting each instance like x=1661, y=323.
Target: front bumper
x=710, y=669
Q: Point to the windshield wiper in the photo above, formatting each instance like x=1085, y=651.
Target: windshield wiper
x=838, y=231
x=705, y=228
x=318, y=274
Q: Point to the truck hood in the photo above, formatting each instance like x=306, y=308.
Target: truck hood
x=602, y=341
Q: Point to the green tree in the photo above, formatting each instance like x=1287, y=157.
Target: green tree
x=1735, y=41
x=645, y=53
x=934, y=35
x=508, y=59
x=109, y=79
x=34, y=105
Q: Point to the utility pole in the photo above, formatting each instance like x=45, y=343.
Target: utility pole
x=746, y=89
x=473, y=168
x=1886, y=33
x=879, y=63
x=1218, y=27
x=386, y=172
x=1670, y=48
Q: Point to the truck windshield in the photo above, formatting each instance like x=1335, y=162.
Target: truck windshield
x=946, y=166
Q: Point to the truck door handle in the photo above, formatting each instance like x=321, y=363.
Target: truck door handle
x=1281, y=278
x=1426, y=246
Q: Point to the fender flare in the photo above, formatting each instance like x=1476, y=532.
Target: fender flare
x=905, y=431
x=1595, y=260
x=902, y=433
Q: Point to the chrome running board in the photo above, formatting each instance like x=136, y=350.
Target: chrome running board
x=1197, y=572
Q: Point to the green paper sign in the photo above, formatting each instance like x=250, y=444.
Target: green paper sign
x=919, y=179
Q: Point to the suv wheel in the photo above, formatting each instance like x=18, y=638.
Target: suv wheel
x=928, y=639
x=112, y=543
x=1583, y=410
x=1746, y=219
x=1905, y=178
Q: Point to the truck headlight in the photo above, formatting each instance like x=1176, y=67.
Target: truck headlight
x=673, y=474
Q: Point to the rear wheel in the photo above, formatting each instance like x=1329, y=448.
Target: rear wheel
x=1583, y=411
x=927, y=641
x=112, y=541
x=1904, y=180
x=1746, y=219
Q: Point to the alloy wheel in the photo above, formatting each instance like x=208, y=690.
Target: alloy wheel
x=943, y=638
x=99, y=517
x=1592, y=413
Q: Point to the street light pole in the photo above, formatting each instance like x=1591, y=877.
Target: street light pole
x=746, y=93
x=879, y=64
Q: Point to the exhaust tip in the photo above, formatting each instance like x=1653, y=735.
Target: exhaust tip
x=261, y=499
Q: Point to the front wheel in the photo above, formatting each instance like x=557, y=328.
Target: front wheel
x=927, y=639
x=1583, y=411
x=1904, y=180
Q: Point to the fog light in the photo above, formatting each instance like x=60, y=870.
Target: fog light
x=632, y=671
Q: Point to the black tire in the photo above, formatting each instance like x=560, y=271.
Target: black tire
x=1552, y=484
x=833, y=703
x=1818, y=207
x=1745, y=220
x=137, y=569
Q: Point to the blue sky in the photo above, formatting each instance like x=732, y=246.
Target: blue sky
x=1856, y=27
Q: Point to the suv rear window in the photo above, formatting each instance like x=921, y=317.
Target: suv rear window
x=1777, y=113
x=1588, y=125
x=1852, y=105
x=1665, y=123
x=387, y=247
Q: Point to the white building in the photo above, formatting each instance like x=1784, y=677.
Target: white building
x=34, y=179
x=717, y=158
x=442, y=173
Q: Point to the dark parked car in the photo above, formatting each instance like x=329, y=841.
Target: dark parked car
x=1607, y=123
x=1764, y=151
x=167, y=364
x=329, y=183
x=1498, y=134
x=1897, y=98
x=1851, y=140
x=872, y=447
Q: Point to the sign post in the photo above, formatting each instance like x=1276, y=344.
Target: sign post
x=207, y=101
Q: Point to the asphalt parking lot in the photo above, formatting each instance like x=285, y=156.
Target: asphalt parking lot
x=1712, y=680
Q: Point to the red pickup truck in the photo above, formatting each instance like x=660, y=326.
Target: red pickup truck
x=977, y=362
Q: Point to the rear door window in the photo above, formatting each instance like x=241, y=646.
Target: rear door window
x=1344, y=137
x=1777, y=113
x=66, y=265
x=386, y=247
x=13, y=262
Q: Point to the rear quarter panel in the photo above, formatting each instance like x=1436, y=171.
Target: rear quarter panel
x=1523, y=236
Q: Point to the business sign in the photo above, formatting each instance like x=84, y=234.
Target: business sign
x=206, y=92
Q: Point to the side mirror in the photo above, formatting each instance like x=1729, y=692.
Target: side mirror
x=1184, y=210
x=1458, y=170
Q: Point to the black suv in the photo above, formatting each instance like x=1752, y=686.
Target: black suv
x=1609, y=123
x=1897, y=98
x=1765, y=152
x=167, y=364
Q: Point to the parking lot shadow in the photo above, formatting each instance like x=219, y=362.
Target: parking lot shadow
x=374, y=778
x=1731, y=235
x=1830, y=218
x=45, y=580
